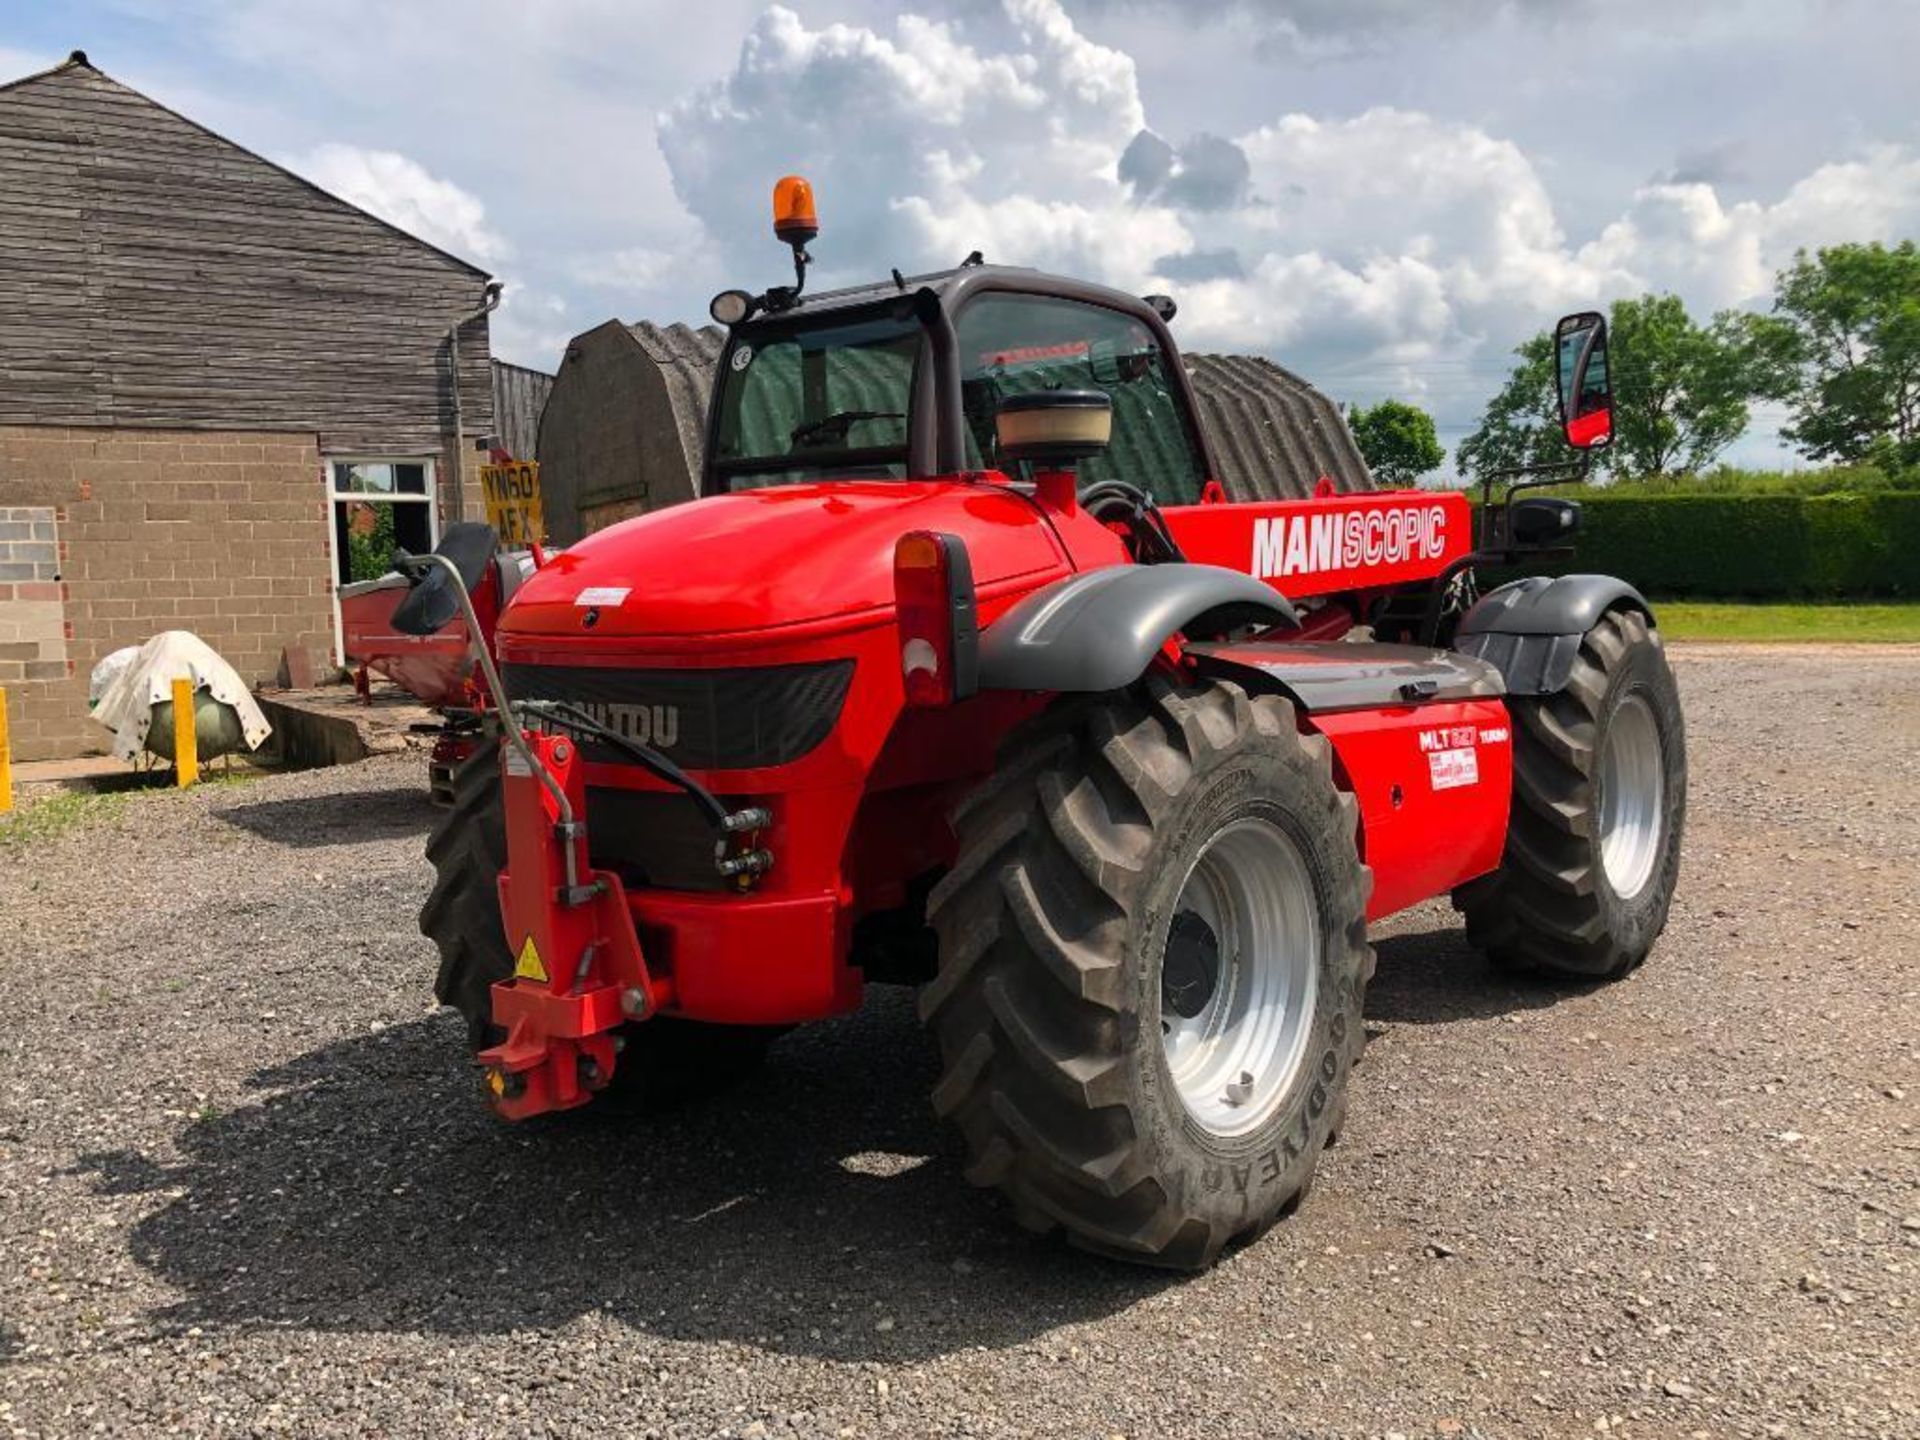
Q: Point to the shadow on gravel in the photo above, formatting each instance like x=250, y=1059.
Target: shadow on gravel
x=819, y=1208
x=1433, y=977
x=339, y=819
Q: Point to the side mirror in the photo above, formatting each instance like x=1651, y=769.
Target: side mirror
x=1586, y=384
x=431, y=602
x=1052, y=429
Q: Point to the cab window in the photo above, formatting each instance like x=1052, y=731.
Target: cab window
x=1012, y=344
x=816, y=400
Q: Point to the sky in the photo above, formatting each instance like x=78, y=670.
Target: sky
x=1386, y=196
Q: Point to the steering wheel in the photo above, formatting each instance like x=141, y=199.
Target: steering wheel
x=1111, y=501
x=1108, y=500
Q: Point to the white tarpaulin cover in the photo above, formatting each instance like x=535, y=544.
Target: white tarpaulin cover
x=127, y=706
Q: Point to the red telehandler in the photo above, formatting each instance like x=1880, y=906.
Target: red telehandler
x=964, y=673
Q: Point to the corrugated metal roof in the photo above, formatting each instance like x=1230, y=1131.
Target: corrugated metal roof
x=1273, y=435
x=519, y=395
x=686, y=358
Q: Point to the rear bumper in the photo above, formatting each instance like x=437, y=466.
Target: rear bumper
x=748, y=959
x=592, y=956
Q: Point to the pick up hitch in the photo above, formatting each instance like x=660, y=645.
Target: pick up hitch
x=579, y=973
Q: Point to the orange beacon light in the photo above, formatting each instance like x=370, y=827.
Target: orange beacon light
x=794, y=220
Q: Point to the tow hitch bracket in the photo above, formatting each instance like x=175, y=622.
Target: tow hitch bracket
x=579, y=961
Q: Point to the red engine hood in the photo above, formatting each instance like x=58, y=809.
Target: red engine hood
x=763, y=559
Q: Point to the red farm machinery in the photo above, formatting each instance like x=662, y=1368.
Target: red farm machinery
x=963, y=673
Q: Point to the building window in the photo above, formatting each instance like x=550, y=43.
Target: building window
x=376, y=505
x=380, y=477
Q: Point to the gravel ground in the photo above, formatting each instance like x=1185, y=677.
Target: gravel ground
x=246, y=1186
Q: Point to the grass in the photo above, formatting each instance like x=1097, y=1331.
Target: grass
x=34, y=822
x=1844, y=622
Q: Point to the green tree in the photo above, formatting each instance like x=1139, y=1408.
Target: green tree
x=1398, y=441
x=1681, y=389
x=1845, y=350
x=1680, y=394
x=1521, y=425
x=370, y=550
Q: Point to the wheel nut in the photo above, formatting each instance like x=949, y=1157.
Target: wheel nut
x=633, y=1003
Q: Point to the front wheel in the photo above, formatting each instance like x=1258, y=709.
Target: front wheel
x=1599, y=804
x=1152, y=961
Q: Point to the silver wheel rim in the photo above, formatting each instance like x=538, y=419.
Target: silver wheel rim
x=1633, y=784
x=1235, y=1057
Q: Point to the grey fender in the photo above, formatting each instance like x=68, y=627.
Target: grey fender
x=1530, y=630
x=1099, y=630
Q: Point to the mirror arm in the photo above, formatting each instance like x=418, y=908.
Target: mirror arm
x=1522, y=477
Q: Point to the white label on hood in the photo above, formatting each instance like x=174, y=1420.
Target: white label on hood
x=602, y=595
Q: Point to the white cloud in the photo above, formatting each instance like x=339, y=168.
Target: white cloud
x=532, y=327
x=401, y=192
x=912, y=139
x=1389, y=249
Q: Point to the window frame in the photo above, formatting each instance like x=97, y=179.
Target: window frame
x=429, y=497
x=716, y=474
x=938, y=301
x=1179, y=388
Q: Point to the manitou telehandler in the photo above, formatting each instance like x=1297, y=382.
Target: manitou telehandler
x=964, y=672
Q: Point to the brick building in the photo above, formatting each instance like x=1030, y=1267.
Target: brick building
x=222, y=391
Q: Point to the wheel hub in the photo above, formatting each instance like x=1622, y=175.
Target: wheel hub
x=1239, y=977
x=1191, y=973
x=1633, y=783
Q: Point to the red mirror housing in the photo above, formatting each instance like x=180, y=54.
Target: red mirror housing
x=1584, y=380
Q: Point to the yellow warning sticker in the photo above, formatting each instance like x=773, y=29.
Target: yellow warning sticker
x=528, y=966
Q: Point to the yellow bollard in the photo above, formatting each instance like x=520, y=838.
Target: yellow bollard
x=186, y=743
x=6, y=758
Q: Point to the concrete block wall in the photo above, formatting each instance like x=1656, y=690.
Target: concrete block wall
x=218, y=532
x=33, y=635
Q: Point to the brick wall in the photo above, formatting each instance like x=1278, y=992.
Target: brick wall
x=220, y=533
x=33, y=636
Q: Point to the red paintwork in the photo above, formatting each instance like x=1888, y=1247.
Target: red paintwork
x=803, y=573
x=1331, y=544
x=816, y=556
x=1383, y=759
x=559, y=1046
x=438, y=669
x=1593, y=428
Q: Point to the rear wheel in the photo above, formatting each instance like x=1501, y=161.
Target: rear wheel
x=662, y=1062
x=1152, y=961
x=1599, y=804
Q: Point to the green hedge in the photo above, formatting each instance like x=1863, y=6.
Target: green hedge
x=1732, y=546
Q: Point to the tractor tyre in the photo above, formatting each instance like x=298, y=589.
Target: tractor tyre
x=662, y=1062
x=1153, y=955
x=1599, y=804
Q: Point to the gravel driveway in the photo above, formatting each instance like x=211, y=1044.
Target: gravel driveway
x=246, y=1185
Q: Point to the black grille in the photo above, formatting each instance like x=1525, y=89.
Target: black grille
x=732, y=719
x=655, y=841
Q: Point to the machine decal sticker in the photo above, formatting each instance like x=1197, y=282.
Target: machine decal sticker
x=1450, y=769
x=742, y=357
x=601, y=595
x=1345, y=540
x=528, y=966
x=1452, y=759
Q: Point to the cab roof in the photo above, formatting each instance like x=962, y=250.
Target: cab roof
x=951, y=286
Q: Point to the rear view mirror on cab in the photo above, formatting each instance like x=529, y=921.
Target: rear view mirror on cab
x=1585, y=382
